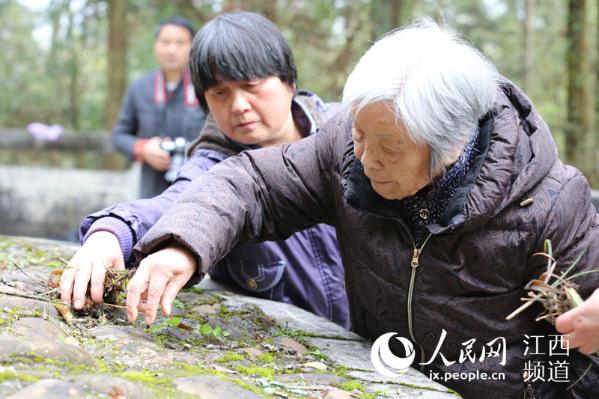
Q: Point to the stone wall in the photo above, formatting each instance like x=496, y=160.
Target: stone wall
x=19, y=139
x=47, y=202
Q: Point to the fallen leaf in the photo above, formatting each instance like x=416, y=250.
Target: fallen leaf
x=65, y=312
x=54, y=278
x=117, y=393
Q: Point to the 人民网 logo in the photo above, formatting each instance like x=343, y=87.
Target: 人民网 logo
x=392, y=354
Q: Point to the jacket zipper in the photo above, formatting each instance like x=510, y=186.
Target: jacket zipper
x=414, y=264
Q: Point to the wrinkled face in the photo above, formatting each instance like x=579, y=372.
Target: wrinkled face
x=396, y=166
x=171, y=47
x=254, y=112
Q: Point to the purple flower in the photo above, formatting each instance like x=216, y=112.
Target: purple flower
x=44, y=132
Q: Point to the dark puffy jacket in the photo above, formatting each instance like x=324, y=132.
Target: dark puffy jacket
x=468, y=276
x=304, y=270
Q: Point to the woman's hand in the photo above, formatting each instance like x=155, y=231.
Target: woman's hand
x=581, y=325
x=158, y=279
x=99, y=253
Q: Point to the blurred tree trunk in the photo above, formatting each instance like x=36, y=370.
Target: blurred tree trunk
x=580, y=108
x=73, y=75
x=55, y=14
x=341, y=62
x=388, y=15
x=231, y=5
x=268, y=8
x=528, y=30
x=117, y=60
x=188, y=9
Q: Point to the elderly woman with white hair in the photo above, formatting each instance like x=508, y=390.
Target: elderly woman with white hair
x=442, y=182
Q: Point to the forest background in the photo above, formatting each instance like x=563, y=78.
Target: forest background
x=69, y=62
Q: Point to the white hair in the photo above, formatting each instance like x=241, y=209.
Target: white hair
x=438, y=86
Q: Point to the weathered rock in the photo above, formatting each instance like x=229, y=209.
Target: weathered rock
x=39, y=329
x=10, y=386
x=356, y=356
x=107, y=384
x=252, y=353
x=339, y=394
x=288, y=343
x=206, y=309
x=50, y=389
x=11, y=348
x=33, y=278
x=27, y=305
x=235, y=331
x=410, y=377
x=291, y=317
x=209, y=284
x=120, y=333
x=408, y=392
x=212, y=387
x=317, y=379
x=351, y=354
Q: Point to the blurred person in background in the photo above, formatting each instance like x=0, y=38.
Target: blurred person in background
x=160, y=108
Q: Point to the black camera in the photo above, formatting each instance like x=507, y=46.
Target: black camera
x=176, y=150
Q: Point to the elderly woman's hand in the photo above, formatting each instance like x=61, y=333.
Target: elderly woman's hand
x=158, y=279
x=581, y=325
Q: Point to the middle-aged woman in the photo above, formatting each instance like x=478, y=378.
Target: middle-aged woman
x=443, y=182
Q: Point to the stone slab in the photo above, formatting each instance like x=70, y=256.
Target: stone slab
x=292, y=317
x=356, y=356
x=212, y=387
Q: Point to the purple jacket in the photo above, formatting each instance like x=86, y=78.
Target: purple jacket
x=304, y=270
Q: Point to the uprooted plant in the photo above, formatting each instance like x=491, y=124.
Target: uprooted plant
x=115, y=283
x=557, y=293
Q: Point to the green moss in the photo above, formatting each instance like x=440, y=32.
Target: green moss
x=225, y=313
x=6, y=243
x=102, y=366
x=340, y=370
x=230, y=357
x=192, y=370
x=352, y=385
x=105, y=368
x=160, y=339
x=265, y=358
x=145, y=377
x=53, y=366
x=377, y=394
x=256, y=371
x=195, y=290
x=13, y=375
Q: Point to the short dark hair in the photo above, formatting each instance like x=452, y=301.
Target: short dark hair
x=239, y=46
x=178, y=21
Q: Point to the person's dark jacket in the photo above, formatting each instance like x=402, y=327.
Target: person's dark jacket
x=304, y=270
x=143, y=116
x=469, y=275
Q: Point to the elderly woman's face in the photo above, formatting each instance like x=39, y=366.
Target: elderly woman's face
x=396, y=166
